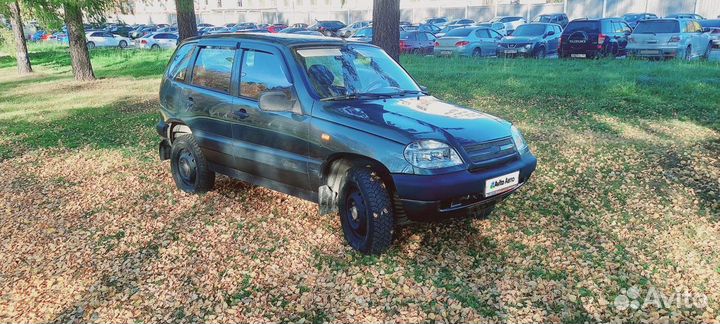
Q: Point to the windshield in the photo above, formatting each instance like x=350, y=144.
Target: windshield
x=365, y=32
x=586, y=26
x=543, y=18
x=352, y=70
x=657, y=27
x=460, y=32
x=530, y=30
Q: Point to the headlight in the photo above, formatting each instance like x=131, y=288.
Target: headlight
x=520, y=143
x=528, y=46
x=431, y=154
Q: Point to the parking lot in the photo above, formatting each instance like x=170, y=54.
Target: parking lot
x=624, y=200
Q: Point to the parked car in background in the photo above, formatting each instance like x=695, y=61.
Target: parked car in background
x=448, y=28
x=299, y=25
x=633, y=18
x=464, y=21
x=669, y=38
x=496, y=26
x=293, y=30
x=511, y=22
x=142, y=31
x=274, y=28
x=106, y=39
x=438, y=21
x=309, y=33
x=38, y=36
x=592, y=38
x=685, y=16
x=531, y=40
x=217, y=30
x=362, y=35
x=167, y=30
x=243, y=26
x=554, y=18
x=229, y=25
x=417, y=42
x=123, y=31
x=205, y=25
x=327, y=27
x=157, y=41
x=428, y=28
x=352, y=28
x=468, y=41
x=337, y=123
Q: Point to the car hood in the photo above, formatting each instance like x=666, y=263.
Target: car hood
x=407, y=119
x=520, y=39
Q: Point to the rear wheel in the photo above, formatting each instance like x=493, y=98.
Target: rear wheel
x=90, y=45
x=366, y=211
x=122, y=44
x=687, y=56
x=189, y=167
x=155, y=47
x=476, y=53
x=706, y=55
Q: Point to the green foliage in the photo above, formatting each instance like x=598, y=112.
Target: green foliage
x=49, y=13
x=7, y=43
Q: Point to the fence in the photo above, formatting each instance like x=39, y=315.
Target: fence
x=417, y=10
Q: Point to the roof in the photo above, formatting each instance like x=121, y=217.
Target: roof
x=276, y=38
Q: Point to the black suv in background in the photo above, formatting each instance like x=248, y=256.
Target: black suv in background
x=592, y=38
x=328, y=27
x=555, y=18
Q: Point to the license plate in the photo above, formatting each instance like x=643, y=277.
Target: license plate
x=501, y=184
x=578, y=55
x=575, y=41
x=446, y=52
x=649, y=52
x=510, y=51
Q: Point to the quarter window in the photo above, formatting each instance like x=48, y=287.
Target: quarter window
x=482, y=33
x=213, y=68
x=178, y=65
x=262, y=72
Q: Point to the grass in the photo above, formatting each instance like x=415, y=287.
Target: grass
x=626, y=194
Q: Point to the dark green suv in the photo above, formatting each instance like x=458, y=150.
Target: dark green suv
x=337, y=123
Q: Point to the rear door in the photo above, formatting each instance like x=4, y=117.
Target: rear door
x=484, y=41
x=210, y=99
x=270, y=144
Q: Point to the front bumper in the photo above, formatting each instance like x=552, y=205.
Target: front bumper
x=514, y=52
x=437, y=197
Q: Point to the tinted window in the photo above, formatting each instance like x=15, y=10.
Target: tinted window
x=657, y=26
x=459, y=32
x=408, y=36
x=422, y=37
x=178, y=65
x=96, y=34
x=495, y=34
x=261, y=72
x=430, y=36
x=530, y=30
x=213, y=68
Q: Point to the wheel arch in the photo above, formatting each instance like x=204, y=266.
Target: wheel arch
x=176, y=128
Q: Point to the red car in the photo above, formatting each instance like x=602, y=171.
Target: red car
x=274, y=28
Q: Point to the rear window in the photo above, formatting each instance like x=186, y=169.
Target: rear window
x=657, y=27
x=408, y=36
x=585, y=26
x=459, y=32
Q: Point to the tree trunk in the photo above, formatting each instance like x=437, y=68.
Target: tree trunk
x=21, y=55
x=79, y=55
x=187, y=25
x=386, y=26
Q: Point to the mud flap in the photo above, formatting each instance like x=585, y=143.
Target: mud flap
x=327, y=199
x=164, y=150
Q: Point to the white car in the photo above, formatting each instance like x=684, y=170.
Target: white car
x=157, y=41
x=511, y=22
x=106, y=39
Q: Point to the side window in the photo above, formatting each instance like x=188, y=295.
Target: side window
x=422, y=37
x=482, y=33
x=213, y=68
x=412, y=36
x=495, y=34
x=698, y=27
x=96, y=34
x=430, y=37
x=261, y=72
x=177, y=68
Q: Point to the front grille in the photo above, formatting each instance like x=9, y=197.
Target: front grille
x=518, y=45
x=491, y=153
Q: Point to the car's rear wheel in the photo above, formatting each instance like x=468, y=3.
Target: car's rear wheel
x=708, y=51
x=122, y=44
x=189, y=167
x=90, y=45
x=477, y=53
x=366, y=211
x=687, y=56
x=155, y=47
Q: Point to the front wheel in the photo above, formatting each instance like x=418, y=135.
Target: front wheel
x=122, y=44
x=366, y=212
x=90, y=45
x=540, y=53
x=189, y=167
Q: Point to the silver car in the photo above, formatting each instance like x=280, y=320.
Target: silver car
x=510, y=22
x=714, y=34
x=497, y=26
x=156, y=41
x=468, y=41
x=669, y=38
x=352, y=28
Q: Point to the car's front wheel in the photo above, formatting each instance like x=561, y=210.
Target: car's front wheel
x=90, y=45
x=540, y=53
x=366, y=211
x=189, y=167
x=123, y=44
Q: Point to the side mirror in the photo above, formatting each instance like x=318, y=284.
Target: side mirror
x=550, y=33
x=276, y=101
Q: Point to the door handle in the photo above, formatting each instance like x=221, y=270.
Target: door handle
x=241, y=113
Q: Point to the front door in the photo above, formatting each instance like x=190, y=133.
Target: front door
x=270, y=144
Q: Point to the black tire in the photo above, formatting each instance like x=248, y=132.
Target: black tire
x=706, y=56
x=366, y=211
x=540, y=53
x=687, y=56
x=90, y=45
x=155, y=47
x=189, y=167
x=477, y=52
x=122, y=44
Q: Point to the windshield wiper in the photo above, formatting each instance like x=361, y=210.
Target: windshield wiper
x=355, y=96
